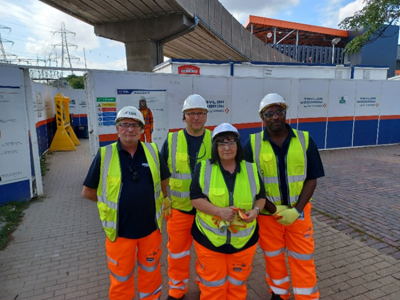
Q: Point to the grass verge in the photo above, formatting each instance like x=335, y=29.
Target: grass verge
x=11, y=215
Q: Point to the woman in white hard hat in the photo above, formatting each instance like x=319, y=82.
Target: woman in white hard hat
x=228, y=194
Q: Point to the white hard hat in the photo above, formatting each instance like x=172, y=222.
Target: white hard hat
x=130, y=112
x=194, y=101
x=224, y=127
x=272, y=99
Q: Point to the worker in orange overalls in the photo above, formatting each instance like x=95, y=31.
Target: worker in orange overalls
x=148, y=120
x=290, y=164
x=228, y=194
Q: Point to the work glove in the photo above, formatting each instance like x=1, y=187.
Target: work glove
x=287, y=217
x=280, y=208
x=167, y=208
x=221, y=224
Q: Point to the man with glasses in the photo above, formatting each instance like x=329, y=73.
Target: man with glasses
x=128, y=179
x=290, y=164
x=182, y=150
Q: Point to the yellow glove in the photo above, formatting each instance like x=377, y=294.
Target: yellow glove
x=167, y=208
x=287, y=217
x=280, y=208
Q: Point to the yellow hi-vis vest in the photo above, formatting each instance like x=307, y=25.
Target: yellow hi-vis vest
x=296, y=166
x=179, y=166
x=213, y=185
x=109, y=189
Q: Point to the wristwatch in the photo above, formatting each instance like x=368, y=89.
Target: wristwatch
x=258, y=210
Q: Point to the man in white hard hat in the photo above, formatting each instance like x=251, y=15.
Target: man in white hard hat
x=128, y=180
x=290, y=164
x=182, y=150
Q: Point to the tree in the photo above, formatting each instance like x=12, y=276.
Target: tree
x=374, y=18
x=75, y=81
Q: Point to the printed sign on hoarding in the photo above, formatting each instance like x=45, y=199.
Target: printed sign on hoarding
x=189, y=70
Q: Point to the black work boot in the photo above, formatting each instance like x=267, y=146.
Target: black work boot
x=173, y=298
x=275, y=297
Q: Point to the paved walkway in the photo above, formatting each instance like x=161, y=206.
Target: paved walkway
x=58, y=250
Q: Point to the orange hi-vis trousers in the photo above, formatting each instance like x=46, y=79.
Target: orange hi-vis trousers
x=223, y=276
x=298, y=240
x=121, y=261
x=179, y=242
x=146, y=133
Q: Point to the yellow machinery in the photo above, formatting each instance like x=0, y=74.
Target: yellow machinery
x=65, y=138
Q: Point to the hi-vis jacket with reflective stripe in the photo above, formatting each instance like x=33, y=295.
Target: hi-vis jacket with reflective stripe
x=110, y=185
x=296, y=166
x=212, y=183
x=179, y=166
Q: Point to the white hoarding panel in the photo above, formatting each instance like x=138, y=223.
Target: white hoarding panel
x=216, y=91
x=389, y=120
x=15, y=163
x=368, y=98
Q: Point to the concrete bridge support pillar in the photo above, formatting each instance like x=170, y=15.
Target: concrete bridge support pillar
x=144, y=38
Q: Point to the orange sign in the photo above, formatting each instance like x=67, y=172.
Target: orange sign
x=189, y=70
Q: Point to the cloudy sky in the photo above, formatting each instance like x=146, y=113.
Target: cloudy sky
x=32, y=27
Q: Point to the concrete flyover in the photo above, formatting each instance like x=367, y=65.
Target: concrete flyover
x=150, y=29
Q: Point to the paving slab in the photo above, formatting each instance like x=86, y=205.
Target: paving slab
x=58, y=250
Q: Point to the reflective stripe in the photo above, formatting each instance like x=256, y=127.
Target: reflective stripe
x=182, y=176
x=257, y=150
x=159, y=213
x=150, y=148
x=300, y=256
x=252, y=180
x=109, y=224
x=175, y=282
x=209, y=228
x=241, y=233
x=207, y=178
x=236, y=282
x=180, y=194
x=146, y=268
x=279, y=291
x=212, y=283
x=181, y=287
x=305, y=291
x=106, y=167
x=104, y=200
x=113, y=261
x=145, y=295
x=270, y=179
x=296, y=178
x=123, y=278
x=278, y=281
x=274, y=253
x=179, y=255
x=174, y=145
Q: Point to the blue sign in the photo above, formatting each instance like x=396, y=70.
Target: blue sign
x=112, y=119
x=109, y=123
x=109, y=114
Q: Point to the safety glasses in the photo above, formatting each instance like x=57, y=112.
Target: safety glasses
x=135, y=175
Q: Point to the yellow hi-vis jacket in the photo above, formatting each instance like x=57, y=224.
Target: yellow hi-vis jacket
x=179, y=166
x=212, y=183
x=296, y=166
x=109, y=189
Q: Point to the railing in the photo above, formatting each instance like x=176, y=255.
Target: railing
x=311, y=54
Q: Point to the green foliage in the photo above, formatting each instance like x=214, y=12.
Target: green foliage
x=76, y=81
x=11, y=215
x=375, y=17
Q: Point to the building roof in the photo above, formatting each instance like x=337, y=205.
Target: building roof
x=309, y=35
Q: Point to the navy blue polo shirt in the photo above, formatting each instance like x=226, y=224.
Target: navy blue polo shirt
x=315, y=168
x=193, y=144
x=136, y=213
x=196, y=193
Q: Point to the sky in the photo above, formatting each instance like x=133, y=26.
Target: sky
x=29, y=29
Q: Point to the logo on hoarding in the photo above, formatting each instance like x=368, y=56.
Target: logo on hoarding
x=189, y=70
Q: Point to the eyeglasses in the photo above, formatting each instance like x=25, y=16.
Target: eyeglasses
x=198, y=114
x=135, y=175
x=279, y=113
x=230, y=144
x=129, y=125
